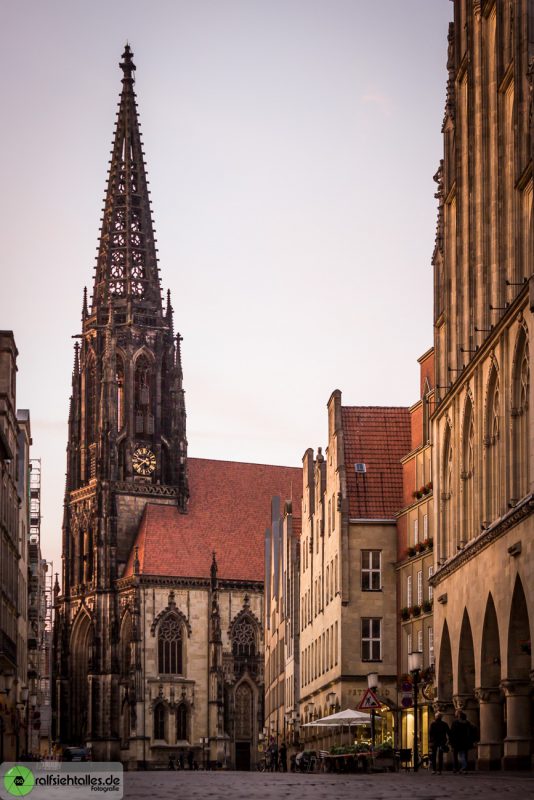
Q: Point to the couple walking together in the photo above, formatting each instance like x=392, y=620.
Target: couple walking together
x=461, y=736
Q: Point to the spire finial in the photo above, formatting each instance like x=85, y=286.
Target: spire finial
x=76, y=368
x=127, y=65
x=85, y=311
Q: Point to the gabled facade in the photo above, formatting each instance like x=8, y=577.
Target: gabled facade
x=348, y=605
x=483, y=452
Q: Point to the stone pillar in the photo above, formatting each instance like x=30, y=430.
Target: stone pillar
x=518, y=733
x=490, y=747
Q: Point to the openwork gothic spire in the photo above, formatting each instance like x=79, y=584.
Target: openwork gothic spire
x=126, y=271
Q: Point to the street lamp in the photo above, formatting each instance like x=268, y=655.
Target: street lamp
x=372, y=683
x=415, y=665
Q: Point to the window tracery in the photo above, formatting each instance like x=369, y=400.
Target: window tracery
x=170, y=646
x=244, y=638
x=243, y=712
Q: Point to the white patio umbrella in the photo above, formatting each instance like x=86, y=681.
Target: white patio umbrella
x=348, y=717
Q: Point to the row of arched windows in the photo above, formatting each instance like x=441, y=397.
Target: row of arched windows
x=171, y=636
x=144, y=395
x=482, y=496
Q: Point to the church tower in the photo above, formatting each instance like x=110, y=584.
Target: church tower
x=126, y=438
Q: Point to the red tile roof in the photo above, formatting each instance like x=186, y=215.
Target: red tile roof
x=229, y=510
x=379, y=438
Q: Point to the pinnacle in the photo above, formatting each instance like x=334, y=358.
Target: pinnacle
x=127, y=269
x=127, y=65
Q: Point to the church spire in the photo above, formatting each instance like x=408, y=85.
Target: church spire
x=126, y=271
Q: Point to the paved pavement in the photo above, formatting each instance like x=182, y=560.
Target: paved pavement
x=268, y=786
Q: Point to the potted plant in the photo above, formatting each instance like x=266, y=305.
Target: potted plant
x=427, y=606
x=411, y=551
x=416, y=611
x=419, y=547
x=405, y=613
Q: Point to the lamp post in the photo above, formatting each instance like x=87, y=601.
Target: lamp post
x=372, y=683
x=415, y=665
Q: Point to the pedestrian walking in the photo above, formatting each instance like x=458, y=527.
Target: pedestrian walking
x=190, y=758
x=438, y=734
x=274, y=761
x=182, y=759
x=283, y=757
x=460, y=738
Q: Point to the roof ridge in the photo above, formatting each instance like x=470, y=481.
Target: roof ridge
x=243, y=463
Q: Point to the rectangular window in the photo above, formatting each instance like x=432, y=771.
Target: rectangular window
x=431, y=646
x=409, y=643
x=371, y=570
x=336, y=643
x=430, y=588
x=420, y=587
x=409, y=591
x=420, y=641
x=415, y=531
x=425, y=526
x=371, y=639
x=333, y=512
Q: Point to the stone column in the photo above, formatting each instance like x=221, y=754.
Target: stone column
x=490, y=747
x=518, y=733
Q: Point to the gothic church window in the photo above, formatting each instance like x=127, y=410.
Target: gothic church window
x=159, y=722
x=144, y=419
x=170, y=646
x=120, y=394
x=468, y=470
x=244, y=638
x=90, y=401
x=520, y=418
x=493, y=449
x=243, y=712
x=181, y=723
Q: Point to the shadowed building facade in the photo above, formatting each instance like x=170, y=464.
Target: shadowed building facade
x=158, y=636
x=483, y=436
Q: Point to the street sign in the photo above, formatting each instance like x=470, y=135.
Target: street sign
x=369, y=701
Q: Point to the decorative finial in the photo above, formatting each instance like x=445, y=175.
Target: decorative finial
x=85, y=311
x=213, y=571
x=136, y=564
x=76, y=368
x=127, y=65
x=56, y=585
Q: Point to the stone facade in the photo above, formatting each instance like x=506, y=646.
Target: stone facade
x=282, y=626
x=483, y=459
x=415, y=525
x=348, y=603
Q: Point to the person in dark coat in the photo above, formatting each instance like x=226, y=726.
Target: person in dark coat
x=438, y=734
x=283, y=757
x=460, y=739
x=190, y=757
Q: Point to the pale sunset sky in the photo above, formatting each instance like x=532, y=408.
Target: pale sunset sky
x=290, y=149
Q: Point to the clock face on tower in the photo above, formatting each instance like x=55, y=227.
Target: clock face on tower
x=143, y=461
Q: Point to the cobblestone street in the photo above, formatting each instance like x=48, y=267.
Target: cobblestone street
x=247, y=785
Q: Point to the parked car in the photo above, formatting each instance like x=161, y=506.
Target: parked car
x=77, y=754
